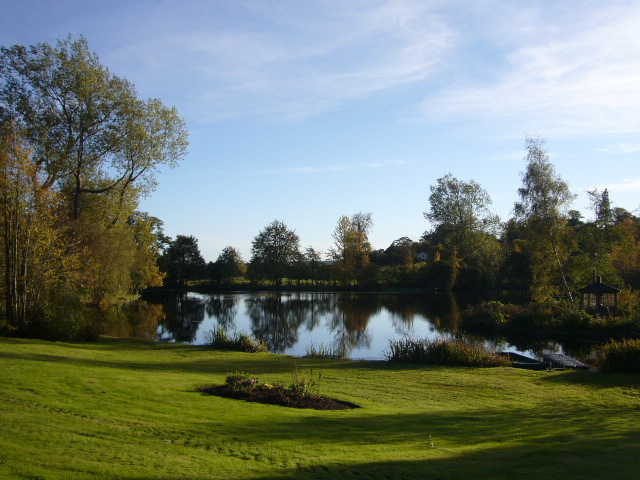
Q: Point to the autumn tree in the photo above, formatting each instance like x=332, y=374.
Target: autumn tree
x=596, y=241
x=95, y=146
x=464, y=225
x=351, y=249
x=34, y=260
x=460, y=210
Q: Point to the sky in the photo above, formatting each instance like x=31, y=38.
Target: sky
x=304, y=111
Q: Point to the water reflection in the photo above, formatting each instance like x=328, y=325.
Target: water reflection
x=223, y=308
x=276, y=319
x=184, y=314
x=352, y=325
x=131, y=320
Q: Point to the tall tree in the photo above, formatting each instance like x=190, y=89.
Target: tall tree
x=88, y=129
x=351, y=249
x=459, y=210
x=183, y=260
x=545, y=199
x=229, y=265
x=273, y=251
x=95, y=146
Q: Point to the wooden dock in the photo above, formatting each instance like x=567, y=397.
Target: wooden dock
x=549, y=362
x=558, y=360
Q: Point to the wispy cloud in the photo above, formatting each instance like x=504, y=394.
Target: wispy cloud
x=575, y=76
x=631, y=184
x=621, y=148
x=293, y=60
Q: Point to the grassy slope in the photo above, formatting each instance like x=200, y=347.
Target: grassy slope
x=121, y=409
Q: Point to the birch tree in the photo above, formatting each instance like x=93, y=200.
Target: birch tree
x=545, y=199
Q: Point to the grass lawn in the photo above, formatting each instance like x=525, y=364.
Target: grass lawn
x=118, y=409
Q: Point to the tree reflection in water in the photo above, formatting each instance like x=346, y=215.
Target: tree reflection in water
x=348, y=323
x=276, y=319
x=341, y=322
x=137, y=319
x=223, y=308
x=184, y=314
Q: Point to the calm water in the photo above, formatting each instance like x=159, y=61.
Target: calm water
x=357, y=326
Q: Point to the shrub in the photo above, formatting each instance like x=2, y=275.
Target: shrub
x=443, y=351
x=619, y=356
x=241, y=342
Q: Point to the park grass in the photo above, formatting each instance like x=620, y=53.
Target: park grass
x=119, y=409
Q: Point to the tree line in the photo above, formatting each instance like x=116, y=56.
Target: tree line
x=545, y=249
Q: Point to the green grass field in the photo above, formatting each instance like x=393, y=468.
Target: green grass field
x=120, y=409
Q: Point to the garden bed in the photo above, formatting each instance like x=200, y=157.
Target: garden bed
x=277, y=396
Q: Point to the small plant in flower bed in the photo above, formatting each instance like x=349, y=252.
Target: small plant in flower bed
x=240, y=342
x=442, y=351
x=303, y=388
x=619, y=356
x=241, y=382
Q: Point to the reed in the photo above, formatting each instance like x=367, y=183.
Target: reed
x=237, y=341
x=619, y=356
x=323, y=351
x=443, y=351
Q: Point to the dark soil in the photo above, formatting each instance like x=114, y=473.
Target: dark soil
x=277, y=396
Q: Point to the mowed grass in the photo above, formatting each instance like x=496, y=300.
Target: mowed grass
x=118, y=409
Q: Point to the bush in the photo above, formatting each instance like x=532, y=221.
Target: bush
x=443, y=351
x=619, y=356
x=241, y=342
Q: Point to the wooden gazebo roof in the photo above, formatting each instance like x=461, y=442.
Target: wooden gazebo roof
x=599, y=287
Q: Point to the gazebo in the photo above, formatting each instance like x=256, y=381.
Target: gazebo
x=599, y=297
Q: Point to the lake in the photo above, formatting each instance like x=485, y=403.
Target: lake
x=353, y=325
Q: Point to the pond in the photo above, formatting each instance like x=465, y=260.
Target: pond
x=352, y=325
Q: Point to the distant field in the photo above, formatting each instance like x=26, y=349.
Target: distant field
x=120, y=409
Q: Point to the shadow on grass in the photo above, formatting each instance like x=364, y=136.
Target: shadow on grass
x=218, y=361
x=530, y=461
x=594, y=379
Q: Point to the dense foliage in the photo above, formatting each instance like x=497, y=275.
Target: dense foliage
x=78, y=149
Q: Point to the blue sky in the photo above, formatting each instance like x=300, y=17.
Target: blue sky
x=304, y=111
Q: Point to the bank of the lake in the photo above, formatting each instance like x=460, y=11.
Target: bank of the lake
x=128, y=410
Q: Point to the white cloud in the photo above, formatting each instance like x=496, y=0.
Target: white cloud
x=625, y=185
x=293, y=62
x=621, y=148
x=578, y=76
